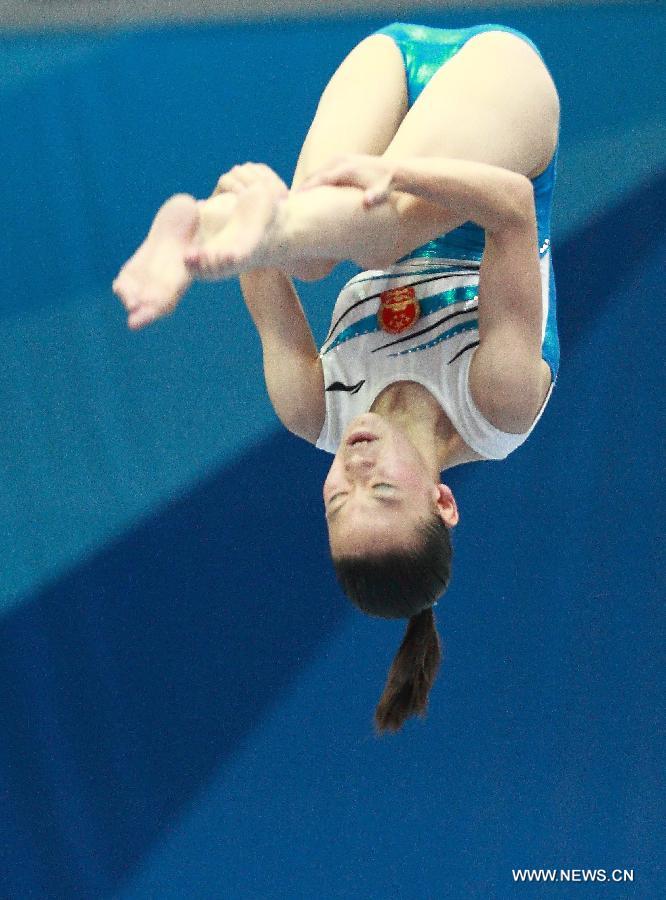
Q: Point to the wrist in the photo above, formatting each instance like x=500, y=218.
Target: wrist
x=400, y=177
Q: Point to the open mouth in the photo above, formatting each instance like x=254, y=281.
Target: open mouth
x=360, y=438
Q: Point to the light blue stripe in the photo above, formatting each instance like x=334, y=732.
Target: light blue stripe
x=429, y=305
x=435, y=270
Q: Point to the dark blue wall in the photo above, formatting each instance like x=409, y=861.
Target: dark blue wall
x=186, y=698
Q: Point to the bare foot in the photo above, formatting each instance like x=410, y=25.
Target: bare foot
x=151, y=283
x=229, y=244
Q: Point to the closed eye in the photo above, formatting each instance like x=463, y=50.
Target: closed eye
x=381, y=488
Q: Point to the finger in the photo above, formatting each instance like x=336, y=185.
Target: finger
x=223, y=182
x=375, y=197
x=378, y=193
x=264, y=173
x=248, y=175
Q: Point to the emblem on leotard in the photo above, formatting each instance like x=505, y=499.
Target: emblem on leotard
x=398, y=309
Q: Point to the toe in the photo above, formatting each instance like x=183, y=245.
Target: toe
x=140, y=318
x=192, y=255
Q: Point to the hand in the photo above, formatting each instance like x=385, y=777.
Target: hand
x=251, y=175
x=373, y=174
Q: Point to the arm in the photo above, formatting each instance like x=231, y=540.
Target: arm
x=507, y=374
x=492, y=197
x=292, y=368
x=325, y=224
x=508, y=378
x=399, y=206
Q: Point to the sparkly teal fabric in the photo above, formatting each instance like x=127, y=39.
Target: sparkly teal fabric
x=424, y=50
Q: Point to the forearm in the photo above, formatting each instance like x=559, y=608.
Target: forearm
x=492, y=197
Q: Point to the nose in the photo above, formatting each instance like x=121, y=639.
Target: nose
x=358, y=465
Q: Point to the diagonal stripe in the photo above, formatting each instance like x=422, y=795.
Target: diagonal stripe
x=429, y=305
x=358, y=303
x=464, y=350
x=410, y=337
x=472, y=325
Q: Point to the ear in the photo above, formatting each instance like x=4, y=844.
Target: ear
x=447, y=507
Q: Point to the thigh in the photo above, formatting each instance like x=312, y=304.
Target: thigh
x=359, y=111
x=493, y=102
x=361, y=107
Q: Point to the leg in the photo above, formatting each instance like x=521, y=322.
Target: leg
x=493, y=102
x=352, y=121
x=347, y=121
x=153, y=280
x=157, y=269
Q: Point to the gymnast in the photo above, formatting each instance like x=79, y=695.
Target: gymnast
x=430, y=163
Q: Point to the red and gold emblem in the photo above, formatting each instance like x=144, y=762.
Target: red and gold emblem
x=398, y=309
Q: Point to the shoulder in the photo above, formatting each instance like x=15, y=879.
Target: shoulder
x=509, y=389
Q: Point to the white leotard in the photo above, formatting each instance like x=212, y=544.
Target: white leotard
x=360, y=359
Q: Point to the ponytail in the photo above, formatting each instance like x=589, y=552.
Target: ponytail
x=398, y=585
x=412, y=674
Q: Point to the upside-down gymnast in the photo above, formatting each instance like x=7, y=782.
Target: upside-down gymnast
x=430, y=163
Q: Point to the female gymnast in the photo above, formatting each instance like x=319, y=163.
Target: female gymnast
x=430, y=163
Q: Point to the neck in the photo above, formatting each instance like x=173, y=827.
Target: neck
x=412, y=408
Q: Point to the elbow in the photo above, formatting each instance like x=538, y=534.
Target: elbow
x=522, y=206
x=514, y=208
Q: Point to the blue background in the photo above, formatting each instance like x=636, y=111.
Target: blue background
x=185, y=697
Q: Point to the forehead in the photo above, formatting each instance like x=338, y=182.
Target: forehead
x=361, y=529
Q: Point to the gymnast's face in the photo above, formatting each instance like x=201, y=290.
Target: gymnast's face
x=378, y=490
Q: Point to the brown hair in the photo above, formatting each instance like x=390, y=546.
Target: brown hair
x=404, y=584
